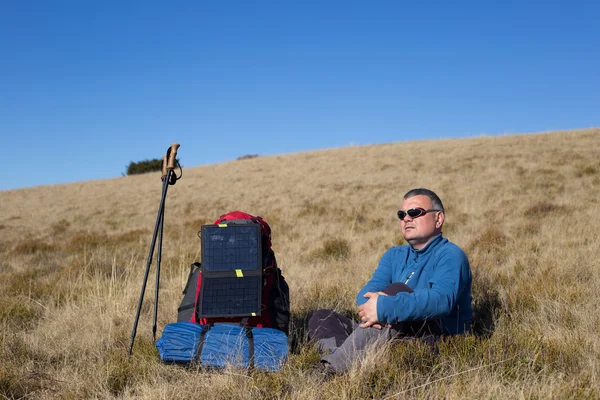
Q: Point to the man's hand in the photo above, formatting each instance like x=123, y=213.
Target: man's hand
x=368, y=311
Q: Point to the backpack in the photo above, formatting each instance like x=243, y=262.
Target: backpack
x=275, y=298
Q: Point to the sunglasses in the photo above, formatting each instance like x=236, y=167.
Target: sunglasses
x=413, y=213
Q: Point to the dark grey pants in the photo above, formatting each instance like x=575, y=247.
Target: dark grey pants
x=342, y=341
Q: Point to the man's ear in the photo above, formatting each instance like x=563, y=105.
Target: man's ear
x=439, y=221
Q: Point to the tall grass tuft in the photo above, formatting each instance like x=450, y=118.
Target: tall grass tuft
x=333, y=249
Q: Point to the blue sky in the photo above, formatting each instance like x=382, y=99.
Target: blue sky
x=88, y=86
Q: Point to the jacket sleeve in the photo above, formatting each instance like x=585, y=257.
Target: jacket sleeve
x=380, y=279
x=451, y=273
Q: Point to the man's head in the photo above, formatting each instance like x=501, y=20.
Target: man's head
x=421, y=217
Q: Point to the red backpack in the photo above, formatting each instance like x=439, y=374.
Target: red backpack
x=275, y=311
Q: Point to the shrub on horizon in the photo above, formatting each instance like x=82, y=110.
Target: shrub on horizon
x=247, y=157
x=142, y=167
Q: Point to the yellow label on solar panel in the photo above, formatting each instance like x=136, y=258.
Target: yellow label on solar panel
x=222, y=225
x=239, y=273
x=254, y=314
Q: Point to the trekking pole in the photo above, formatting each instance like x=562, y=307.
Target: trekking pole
x=168, y=177
x=165, y=173
x=168, y=172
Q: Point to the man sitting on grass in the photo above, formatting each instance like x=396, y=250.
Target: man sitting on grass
x=422, y=289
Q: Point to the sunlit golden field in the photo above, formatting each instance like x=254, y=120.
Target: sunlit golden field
x=525, y=208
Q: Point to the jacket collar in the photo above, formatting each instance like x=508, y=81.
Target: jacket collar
x=427, y=249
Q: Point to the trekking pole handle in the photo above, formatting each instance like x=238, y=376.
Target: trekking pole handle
x=164, y=167
x=172, y=156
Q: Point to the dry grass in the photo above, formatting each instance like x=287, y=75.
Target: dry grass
x=524, y=207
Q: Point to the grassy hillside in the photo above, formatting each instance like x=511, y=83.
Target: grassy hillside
x=524, y=208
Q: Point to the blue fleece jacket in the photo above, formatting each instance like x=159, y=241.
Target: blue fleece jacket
x=440, y=276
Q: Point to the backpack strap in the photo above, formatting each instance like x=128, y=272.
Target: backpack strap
x=250, y=337
x=248, y=329
x=205, y=329
x=193, y=266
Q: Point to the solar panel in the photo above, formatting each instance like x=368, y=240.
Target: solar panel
x=231, y=271
x=230, y=297
x=231, y=247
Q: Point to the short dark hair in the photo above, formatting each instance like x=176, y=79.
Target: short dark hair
x=435, y=200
